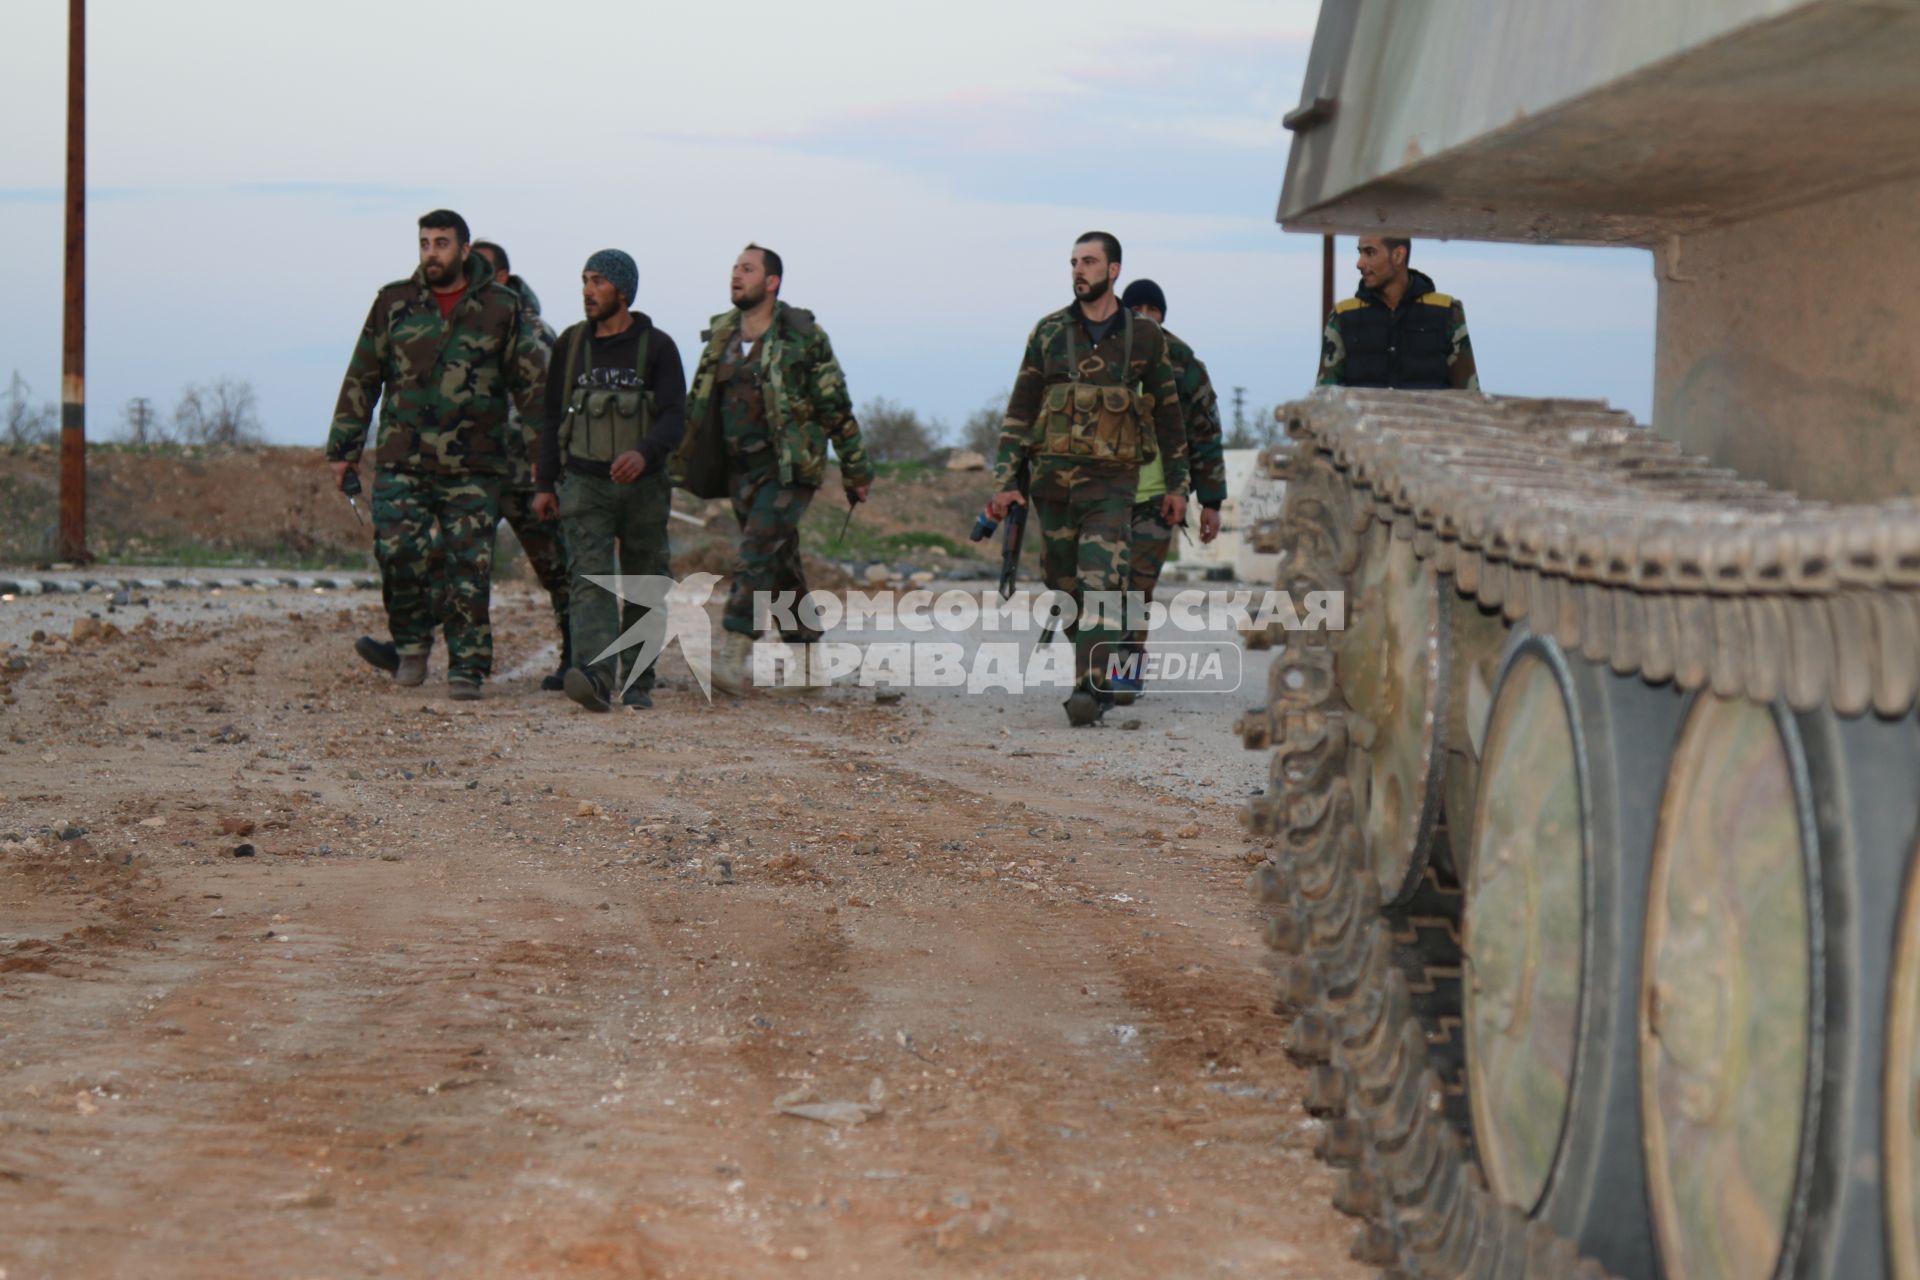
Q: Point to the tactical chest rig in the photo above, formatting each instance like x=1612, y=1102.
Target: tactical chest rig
x=601, y=423
x=1097, y=422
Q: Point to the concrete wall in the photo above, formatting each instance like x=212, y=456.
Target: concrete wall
x=1621, y=121
x=1417, y=77
x=1789, y=345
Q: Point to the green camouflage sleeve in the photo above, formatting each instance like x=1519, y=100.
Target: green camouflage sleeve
x=360, y=390
x=1168, y=426
x=833, y=410
x=1333, y=356
x=1206, y=455
x=527, y=369
x=1462, y=374
x=1023, y=405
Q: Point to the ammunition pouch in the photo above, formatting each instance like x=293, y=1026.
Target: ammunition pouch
x=602, y=423
x=1096, y=423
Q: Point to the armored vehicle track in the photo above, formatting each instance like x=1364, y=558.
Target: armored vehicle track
x=1609, y=780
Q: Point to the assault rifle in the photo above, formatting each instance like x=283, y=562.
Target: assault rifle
x=1010, y=540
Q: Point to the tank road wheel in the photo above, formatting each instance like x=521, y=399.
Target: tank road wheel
x=1728, y=994
x=1771, y=962
x=1556, y=884
x=1392, y=665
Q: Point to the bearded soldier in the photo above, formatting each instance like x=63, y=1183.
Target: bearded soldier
x=450, y=351
x=767, y=399
x=615, y=392
x=1094, y=401
x=540, y=539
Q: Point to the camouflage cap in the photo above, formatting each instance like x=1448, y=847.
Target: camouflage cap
x=619, y=269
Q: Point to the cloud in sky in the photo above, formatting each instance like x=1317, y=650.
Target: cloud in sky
x=257, y=170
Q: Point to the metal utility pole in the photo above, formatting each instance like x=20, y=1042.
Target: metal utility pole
x=1326, y=280
x=139, y=419
x=73, y=371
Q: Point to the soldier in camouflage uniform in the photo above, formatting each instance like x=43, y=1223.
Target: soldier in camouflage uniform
x=1095, y=400
x=767, y=398
x=615, y=404
x=1396, y=330
x=540, y=539
x=1207, y=467
x=448, y=349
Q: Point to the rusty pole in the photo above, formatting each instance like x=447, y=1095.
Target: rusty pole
x=1326, y=279
x=73, y=371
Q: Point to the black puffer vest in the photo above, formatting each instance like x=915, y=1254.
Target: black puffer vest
x=1405, y=348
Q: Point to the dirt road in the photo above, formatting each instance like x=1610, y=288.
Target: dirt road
x=513, y=990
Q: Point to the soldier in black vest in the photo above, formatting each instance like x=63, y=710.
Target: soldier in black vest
x=1396, y=330
x=615, y=409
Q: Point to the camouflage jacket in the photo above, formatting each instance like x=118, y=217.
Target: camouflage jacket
x=528, y=425
x=1045, y=364
x=806, y=399
x=447, y=383
x=1200, y=408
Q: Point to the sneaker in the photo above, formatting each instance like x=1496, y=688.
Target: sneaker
x=411, y=670
x=637, y=698
x=585, y=688
x=463, y=690
x=379, y=654
x=1125, y=689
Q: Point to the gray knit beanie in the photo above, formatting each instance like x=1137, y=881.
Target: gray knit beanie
x=619, y=270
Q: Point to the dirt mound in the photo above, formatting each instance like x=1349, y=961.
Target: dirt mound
x=185, y=505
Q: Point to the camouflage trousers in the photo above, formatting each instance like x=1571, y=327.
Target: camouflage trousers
x=612, y=528
x=540, y=539
x=769, y=516
x=409, y=510
x=1084, y=518
x=1147, y=546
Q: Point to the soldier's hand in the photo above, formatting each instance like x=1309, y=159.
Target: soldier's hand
x=340, y=470
x=1209, y=523
x=628, y=467
x=1001, y=503
x=1173, y=509
x=545, y=506
x=858, y=492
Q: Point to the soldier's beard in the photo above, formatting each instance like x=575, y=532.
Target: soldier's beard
x=748, y=299
x=439, y=273
x=1091, y=290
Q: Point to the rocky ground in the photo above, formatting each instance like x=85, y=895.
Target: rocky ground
x=305, y=975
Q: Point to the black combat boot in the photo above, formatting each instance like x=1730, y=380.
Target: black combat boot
x=588, y=688
x=1087, y=704
x=558, y=680
x=380, y=654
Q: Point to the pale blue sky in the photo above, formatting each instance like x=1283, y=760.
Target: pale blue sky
x=257, y=170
